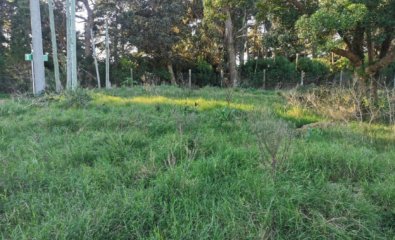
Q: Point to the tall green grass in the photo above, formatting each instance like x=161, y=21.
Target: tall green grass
x=73, y=168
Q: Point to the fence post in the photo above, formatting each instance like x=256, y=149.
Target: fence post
x=297, y=60
x=222, y=77
x=131, y=77
x=302, y=78
x=190, y=79
x=264, y=79
x=341, y=78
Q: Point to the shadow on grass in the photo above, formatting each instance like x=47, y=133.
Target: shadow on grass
x=357, y=136
x=298, y=116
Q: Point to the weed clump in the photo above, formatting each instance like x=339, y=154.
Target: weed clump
x=274, y=138
x=76, y=99
x=345, y=104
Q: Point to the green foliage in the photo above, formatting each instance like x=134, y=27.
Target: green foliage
x=139, y=171
x=341, y=64
x=121, y=74
x=278, y=70
x=332, y=17
x=79, y=98
x=205, y=74
x=313, y=67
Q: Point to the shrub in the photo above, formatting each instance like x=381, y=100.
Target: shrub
x=279, y=71
x=344, y=104
x=204, y=74
x=77, y=99
x=315, y=69
x=274, y=138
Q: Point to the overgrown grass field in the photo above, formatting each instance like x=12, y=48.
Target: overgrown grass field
x=167, y=163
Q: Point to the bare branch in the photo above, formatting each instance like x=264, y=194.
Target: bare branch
x=385, y=61
x=349, y=55
x=298, y=5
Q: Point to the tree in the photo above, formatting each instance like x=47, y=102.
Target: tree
x=72, y=81
x=226, y=14
x=279, y=18
x=54, y=46
x=38, y=61
x=154, y=28
x=361, y=31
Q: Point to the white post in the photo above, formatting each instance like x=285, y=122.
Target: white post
x=190, y=78
x=302, y=79
x=38, y=61
x=297, y=60
x=58, y=84
x=108, y=83
x=95, y=59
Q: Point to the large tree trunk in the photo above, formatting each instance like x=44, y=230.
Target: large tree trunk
x=88, y=38
x=72, y=79
x=95, y=60
x=108, y=83
x=374, y=88
x=88, y=26
x=38, y=62
x=231, y=49
x=172, y=75
x=58, y=84
x=243, y=44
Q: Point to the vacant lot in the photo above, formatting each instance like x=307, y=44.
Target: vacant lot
x=167, y=163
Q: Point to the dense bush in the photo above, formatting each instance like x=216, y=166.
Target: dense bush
x=204, y=74
x=315, y=69
x=279, y=71
x=388, y=75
